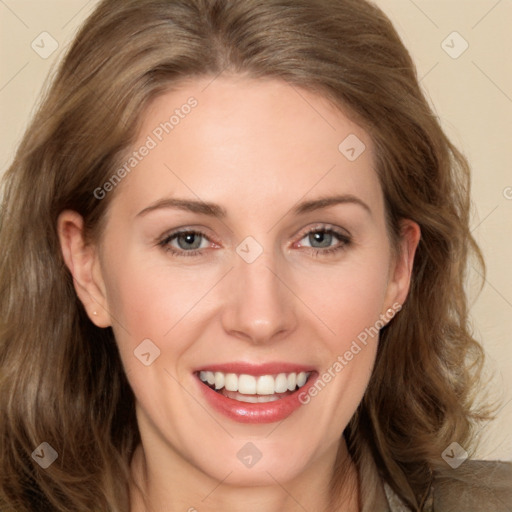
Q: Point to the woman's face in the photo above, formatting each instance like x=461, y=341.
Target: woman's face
x=288, y=274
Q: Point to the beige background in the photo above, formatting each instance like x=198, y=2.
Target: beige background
x=472, y=95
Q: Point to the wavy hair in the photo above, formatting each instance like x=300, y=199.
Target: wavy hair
x=61, y=377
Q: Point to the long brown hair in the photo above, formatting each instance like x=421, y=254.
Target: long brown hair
x=61, y=378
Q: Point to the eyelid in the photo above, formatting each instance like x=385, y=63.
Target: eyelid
x=340, y=232
x=185, y=231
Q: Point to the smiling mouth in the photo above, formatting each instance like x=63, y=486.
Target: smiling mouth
x=254, y=389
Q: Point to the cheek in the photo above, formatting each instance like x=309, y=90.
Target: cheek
x=349, y=301
x=149, y=300
x=347, y=298
x=168, y=306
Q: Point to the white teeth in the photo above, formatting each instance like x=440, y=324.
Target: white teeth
x=281, y=383
x=264, y=398
x=292, y=381
x=219, y=380
x=301, y=379
x=230, y=382
x=247, y=384
x=250, y=399
x=207, y=377
x=265, y=385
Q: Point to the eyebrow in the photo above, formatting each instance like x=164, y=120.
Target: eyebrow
x=190, y=205
x=325, y=202
x=214, y=210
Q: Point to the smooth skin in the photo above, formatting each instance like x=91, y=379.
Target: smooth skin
x=257, y=149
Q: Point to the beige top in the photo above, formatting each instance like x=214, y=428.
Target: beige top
x=476, y=486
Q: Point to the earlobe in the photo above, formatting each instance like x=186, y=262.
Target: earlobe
x=82, y=261
x=402, y=267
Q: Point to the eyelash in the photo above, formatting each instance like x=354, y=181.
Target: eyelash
x=344, y=242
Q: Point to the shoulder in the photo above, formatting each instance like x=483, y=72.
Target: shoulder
x=476, y=485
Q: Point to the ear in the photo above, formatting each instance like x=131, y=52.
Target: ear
x=402, y=264
x=83, y=262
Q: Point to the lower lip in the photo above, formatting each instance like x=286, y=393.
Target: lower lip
x=265, y=412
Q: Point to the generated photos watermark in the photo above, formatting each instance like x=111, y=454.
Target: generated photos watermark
x=151, y=142
x=343, y=360
x=45, y=455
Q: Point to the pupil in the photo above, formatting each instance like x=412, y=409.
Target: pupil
x=324, y=239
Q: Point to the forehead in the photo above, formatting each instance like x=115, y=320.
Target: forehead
x=234, y=138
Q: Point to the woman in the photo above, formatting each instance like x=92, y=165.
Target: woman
x=238, y=283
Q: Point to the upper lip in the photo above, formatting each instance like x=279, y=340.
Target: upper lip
x=270, y=368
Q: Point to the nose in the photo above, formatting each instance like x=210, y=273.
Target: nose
x=259, y=308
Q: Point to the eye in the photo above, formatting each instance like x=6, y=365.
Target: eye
x=190, y=240
x=325, y=240
x=185, y=243
x=322, y=238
